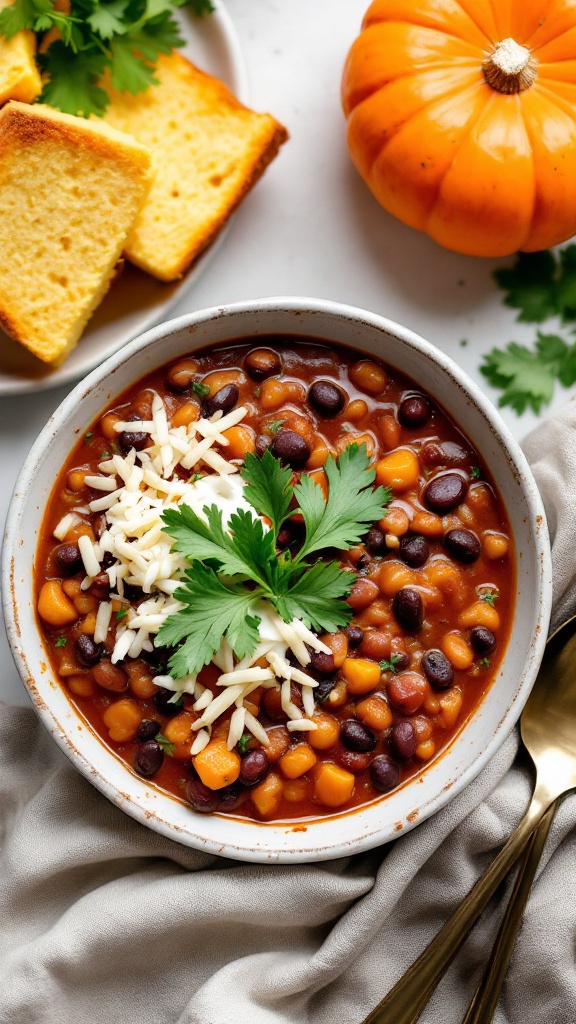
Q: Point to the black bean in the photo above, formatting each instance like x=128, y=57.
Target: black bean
x=223, y=401
x=323, y=690
x=437, y=669
x=483, y=640
x=202, y=799
x=230, y=797
x=362, y=564
x=162, y=700
x=431, y=454
x=148, y=758
x=290, y=533
x=322, y=663
x=147, y=730
x=404, y=739
x=408, y=609
x=262, y=443
x=453, y=454
x=291, y=448
x=444, y=492
x=261, y=363
x=401, y=660
x=376, y=541
x=414, y=550
x=87, y=652
x=356, y=736
x=384, y=773
x=414, y=411
x=463, y=545
x=254, y=766
x=355, y=636
x=327, y=399
x=133, y=439
x=68, y=559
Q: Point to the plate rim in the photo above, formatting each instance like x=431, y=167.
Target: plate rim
x=68, y=373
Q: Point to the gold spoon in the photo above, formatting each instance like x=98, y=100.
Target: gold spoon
x=485, y=998
x=548, y=728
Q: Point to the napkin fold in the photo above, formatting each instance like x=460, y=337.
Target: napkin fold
x=103, y=920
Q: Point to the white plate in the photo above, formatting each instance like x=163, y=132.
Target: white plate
x=135, y=301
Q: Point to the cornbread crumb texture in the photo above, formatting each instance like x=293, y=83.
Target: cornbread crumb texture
x=19, y=76
x=69, y=193
x=208, y=150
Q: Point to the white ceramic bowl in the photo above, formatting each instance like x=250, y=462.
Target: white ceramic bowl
x=385, y=819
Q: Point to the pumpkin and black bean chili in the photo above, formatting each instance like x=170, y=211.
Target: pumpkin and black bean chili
x=275, y=578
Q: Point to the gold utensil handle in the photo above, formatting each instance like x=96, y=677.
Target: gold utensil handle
x=405, y=1002
x=483, y=1004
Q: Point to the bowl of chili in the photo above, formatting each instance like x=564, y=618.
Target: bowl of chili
x=291, y=586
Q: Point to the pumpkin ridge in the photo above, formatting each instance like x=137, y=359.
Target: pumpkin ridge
x=469, y=129
x=440, y=30
x=549, y=17
x=473, y=15
x=556, y=101
x=465, y=131
x=415, y=113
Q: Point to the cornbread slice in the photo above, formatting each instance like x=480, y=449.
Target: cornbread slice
x=19, y=76
x=70, y=191
x=208, y=150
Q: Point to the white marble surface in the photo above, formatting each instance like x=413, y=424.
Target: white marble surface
x=312, y=228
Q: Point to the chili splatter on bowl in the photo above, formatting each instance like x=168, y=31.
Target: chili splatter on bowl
x=276, y=578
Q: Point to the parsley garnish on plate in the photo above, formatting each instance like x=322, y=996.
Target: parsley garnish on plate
x=232, y=571
x=540, y=285
x=122, y=37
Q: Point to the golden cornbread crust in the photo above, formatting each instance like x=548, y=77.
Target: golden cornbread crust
x=70, y=191
x=208, y=151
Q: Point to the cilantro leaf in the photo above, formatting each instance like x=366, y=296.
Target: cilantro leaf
x=200, y=541
x=128, y=71
x=164, y=743
x=316, y=598
x=530, y=285
x=199, y=7
x=107, y=19
x=525, y=381
x=352, y=504
x=23, y=14
x=566, y=287
x=268, y=487
x=212, y=610
x=526, y=376
x=389, y=665
x=72, y=85
x=244, y=744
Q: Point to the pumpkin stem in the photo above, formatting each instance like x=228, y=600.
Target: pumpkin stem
x=510, y=67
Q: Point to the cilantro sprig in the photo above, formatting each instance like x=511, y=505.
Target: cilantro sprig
x=540, y=286
x=123, y=38
x=234, y=571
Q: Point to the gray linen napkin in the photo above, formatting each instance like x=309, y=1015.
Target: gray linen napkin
x=102, y=920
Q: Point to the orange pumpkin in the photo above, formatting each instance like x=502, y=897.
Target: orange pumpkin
x=462, y=119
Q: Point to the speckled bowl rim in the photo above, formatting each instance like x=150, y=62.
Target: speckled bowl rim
x=284, y=842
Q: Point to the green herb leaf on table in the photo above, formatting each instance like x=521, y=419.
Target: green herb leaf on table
x=217, y=606
x=540, y=285
x=526, y=377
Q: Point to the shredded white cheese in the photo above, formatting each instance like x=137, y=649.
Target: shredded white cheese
x=136, y=489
